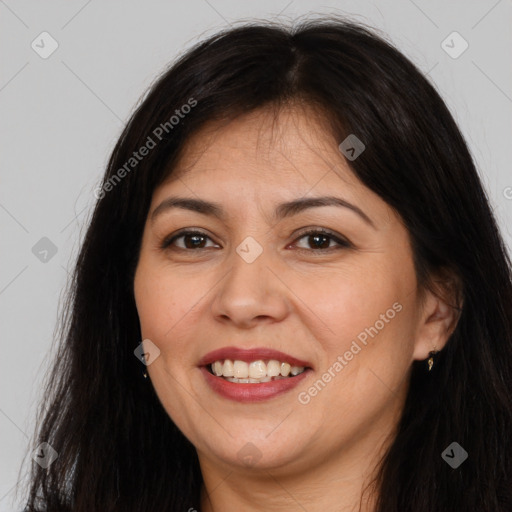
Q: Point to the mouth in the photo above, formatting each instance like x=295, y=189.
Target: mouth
x=252, y=366
x=255, y=372
x=252, y=375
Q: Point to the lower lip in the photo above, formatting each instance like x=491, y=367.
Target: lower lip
x=252, y=392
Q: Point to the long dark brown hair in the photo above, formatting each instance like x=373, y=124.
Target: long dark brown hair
x=118, y=450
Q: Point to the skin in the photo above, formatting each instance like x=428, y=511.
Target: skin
x=294, y=298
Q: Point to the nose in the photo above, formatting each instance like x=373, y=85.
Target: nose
x=251, y=293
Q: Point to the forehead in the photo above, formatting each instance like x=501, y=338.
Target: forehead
x=267, y=157
x=291, y=147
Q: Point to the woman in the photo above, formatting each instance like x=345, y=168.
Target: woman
x=292, y=295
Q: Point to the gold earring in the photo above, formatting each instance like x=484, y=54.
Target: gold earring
x=431, y=359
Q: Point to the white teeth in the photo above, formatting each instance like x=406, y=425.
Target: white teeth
x=273, y=368
x=257, y=369
x=254, y=381
x=228, y=370
x=285, y=369
x=254, y=372
x=217, y=368
x=241, y=369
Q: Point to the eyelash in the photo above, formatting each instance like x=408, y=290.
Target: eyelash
x=342, y=244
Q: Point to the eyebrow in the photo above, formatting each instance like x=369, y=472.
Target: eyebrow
x=282, y=211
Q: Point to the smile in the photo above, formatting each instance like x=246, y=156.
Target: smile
x=252, y=375
x=254, y=372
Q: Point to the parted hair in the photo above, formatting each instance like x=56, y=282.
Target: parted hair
x=118, y=450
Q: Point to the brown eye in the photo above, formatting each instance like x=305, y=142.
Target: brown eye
x=319, y=240
x=191, y=240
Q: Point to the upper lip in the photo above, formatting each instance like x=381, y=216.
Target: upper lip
x=249, y=355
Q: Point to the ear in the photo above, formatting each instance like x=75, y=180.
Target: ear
x=441, y=305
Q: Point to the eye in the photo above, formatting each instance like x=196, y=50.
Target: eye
x=191, y=240
x=320, y=240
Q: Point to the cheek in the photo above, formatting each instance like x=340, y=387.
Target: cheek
x=161, y=303
x=150, y=302
x=350, y=300
x=365, y=313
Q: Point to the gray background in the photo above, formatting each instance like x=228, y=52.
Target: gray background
x=60, y=117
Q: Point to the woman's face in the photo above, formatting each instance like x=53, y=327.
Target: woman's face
x=345, y=303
